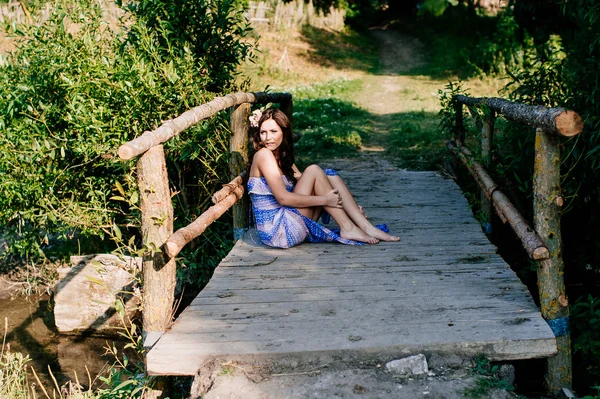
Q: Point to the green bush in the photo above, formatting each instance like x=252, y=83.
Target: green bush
x=74, y=91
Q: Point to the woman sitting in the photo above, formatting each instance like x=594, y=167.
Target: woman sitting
x=287, y=203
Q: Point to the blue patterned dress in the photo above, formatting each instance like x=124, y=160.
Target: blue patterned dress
x=283, y=226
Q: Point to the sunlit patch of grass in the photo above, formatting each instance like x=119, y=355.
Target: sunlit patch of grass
x=331, y=126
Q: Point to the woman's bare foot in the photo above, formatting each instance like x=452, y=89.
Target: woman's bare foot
x=382, y=235
x=357, y=234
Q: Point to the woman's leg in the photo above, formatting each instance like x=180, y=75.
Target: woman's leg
x=314, y=182
x=355, y=213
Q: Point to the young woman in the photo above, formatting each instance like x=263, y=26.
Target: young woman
x=288, y=203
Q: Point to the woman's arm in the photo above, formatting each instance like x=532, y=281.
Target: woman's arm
x=267, y=165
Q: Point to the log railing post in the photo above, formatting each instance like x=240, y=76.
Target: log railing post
x=157, y=227
x=487, y=136
x=288, y=109
x=238, y=163
x=547, y=201
x=459, y=132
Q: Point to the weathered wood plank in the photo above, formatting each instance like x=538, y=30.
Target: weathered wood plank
x=468, y=308
x=348, y=280
x=358, y=270
x=347, y=292
x=178, y=354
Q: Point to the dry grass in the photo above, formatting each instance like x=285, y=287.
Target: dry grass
x=308, y=56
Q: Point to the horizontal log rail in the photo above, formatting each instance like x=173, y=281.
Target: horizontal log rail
x=185, y=235
x=173, y=127
x=227, y=189
x=558, y=121
x=505, y=209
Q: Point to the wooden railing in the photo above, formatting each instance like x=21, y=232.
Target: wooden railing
x=155, y=199
x=543, y=243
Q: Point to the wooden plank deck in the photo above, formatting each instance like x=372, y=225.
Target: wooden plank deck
x=443, y=288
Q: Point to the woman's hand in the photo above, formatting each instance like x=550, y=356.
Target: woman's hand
x=334, y=199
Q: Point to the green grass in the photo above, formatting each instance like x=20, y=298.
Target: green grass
x=416, y=141
x=330, y=124
x=488, y=379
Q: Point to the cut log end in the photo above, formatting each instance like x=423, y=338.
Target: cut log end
x=126, y=152
x=569, y=123
x=540, y=253
x=172, y=249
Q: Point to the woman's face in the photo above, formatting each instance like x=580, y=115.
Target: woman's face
x=271, y=135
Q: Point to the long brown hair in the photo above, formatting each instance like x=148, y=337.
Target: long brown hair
x=285, y=152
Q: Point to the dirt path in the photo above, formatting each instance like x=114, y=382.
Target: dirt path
x=397, y=88
x=393, y=94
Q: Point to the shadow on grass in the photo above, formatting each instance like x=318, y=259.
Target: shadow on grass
x=341, y=50
x=464, y=44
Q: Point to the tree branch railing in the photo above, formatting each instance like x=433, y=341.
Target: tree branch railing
x=543, y=243
x=155, y=198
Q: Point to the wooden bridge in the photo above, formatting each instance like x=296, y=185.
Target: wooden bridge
x=442, y=288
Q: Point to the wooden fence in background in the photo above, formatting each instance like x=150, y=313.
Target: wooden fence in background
x=278, y=15
x=15, y=11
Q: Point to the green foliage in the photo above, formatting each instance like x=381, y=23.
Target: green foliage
x=74, y=91
x=585, y=316
x=209, y=30
x=359, y=13
x=447, y=114
x=488, y=379
x=436, y=7
x=467, y=44
x=13, y=375
x=126, y=379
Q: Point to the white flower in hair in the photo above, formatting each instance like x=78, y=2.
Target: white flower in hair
x=255, y=117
